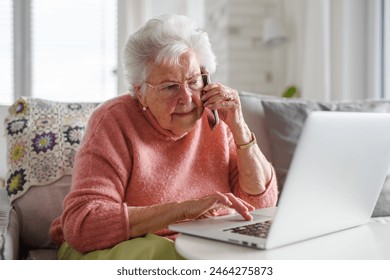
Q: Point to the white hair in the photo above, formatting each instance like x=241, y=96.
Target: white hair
x=164, y=40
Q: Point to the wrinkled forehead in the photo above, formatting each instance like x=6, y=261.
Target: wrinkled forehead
x=186, y=67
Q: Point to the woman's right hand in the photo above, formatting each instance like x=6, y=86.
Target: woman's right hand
x=217, y=204
x=149, y=219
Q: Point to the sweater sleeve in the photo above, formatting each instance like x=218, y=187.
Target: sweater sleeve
x=95, y=215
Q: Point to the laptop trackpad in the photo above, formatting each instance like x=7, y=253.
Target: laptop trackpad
x=239, y=218
x=257, y=217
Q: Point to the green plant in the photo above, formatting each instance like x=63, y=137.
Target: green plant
x=289, y=92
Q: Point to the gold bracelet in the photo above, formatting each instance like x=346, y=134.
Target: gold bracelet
x=248, y=145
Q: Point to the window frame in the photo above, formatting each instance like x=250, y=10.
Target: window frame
x=385, y=69
x=22, y=48
x=22, y=60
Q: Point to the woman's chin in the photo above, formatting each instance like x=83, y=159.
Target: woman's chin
x=185, y=122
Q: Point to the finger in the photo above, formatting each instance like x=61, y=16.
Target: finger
x=223, y=92
x=221, y=200
x=217, y=97
x=248, y=205
x=222, y=105
x=222, y=101
x=238, y=203
x=229, y=199
x=240, y=206
x=210, y=93
x=217, y=213
x=223, y=211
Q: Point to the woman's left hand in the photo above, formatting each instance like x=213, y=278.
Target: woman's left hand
x=226, y=101
x=255, y=172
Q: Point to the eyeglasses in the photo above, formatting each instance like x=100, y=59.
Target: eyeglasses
x=170, y=90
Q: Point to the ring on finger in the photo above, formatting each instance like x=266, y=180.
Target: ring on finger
x=221, y=207
x=227, y=97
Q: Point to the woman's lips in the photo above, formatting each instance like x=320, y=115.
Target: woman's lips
x=185, y=114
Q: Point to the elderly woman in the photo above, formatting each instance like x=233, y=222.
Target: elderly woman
x=150, y=158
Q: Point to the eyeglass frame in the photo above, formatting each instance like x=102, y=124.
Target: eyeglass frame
x=186, y=83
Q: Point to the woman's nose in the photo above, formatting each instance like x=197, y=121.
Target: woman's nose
x=185, y=94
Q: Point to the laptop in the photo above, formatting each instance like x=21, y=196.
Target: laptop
x=334, y=180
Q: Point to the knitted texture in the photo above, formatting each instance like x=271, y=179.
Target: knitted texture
x=127, y=159
x=42, y=139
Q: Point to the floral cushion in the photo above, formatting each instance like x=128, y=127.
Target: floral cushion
x=42, y=139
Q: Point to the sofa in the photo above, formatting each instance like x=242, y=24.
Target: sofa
x=40, y=138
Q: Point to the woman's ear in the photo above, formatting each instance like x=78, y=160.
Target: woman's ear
x=141, y=97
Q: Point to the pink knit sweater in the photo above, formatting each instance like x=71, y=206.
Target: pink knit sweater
x=127, y=159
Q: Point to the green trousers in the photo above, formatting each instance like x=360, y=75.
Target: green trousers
x=150, y=247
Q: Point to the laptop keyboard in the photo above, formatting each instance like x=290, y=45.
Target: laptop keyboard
x=260, y=229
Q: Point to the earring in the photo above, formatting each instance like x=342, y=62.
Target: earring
x=144, y=108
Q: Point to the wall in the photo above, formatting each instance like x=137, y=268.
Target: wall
x=217, y=26
x=235, y=28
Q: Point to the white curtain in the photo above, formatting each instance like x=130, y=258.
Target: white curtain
x=334, y=48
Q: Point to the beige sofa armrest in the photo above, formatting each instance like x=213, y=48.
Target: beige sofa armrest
x=9, y=229
x=11, y=238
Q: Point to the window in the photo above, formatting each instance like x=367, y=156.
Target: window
x=74, y=49
x=69, y=51
x=6, y=54
x=386, y=49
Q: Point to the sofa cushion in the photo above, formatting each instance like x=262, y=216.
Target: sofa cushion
x=254, y=116
x=37, y=209
x=285, y=119
x=42, y=254
x=5, y=212
x=11, y=243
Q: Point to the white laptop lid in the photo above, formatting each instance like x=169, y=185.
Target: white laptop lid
x=335, y=177
x=333, y=183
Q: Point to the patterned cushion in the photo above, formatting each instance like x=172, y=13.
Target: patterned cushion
x=42, y=139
